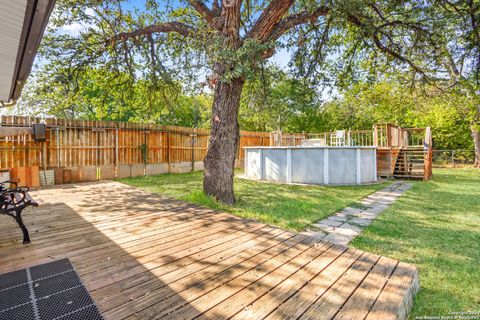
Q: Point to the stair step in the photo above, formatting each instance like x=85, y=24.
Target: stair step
x=408, y=177
x=410, y=158
x=417, y=156
x=416, y=162
x=418, y=167
x=411, y=165
x=408, y=170
x=409, y=173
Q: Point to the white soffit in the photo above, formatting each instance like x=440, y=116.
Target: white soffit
x=12, y=17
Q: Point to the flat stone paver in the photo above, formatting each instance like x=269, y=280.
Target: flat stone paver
x=360, y=221
x=348, y=230
x=332, y=222
x=324, y=227
x=337, y=239
x=348, y=223
x=338, y=218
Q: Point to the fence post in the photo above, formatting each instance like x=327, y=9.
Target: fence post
x=97, y=151
x=193, y=135
x=57, y=136
x=44, y=155
x=116, y=151
x=168, y=149
x=145, y=155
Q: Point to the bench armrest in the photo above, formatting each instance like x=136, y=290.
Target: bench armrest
x=15, y=197
x=3, y=188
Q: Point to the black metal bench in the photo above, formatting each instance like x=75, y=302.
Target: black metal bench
x=12, y=203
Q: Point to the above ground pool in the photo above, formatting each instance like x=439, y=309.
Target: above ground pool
x=312, y=165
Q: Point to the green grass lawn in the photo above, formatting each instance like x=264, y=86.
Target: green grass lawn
x=436, y=226
x=287, y=206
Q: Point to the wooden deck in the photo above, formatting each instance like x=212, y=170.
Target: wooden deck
x=142, y=256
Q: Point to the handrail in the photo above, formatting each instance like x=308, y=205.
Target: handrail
x=383, y=135
x=413, y=129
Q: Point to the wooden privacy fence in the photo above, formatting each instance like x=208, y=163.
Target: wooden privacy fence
x=80, y=150
x=77, y=150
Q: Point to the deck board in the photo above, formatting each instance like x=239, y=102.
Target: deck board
x=144, y=256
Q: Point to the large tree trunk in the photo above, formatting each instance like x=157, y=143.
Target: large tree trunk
x=224, y=136
x=476, y=145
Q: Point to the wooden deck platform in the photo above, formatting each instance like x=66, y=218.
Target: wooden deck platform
x=142, y=256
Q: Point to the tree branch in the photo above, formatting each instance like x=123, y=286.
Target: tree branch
x=176, y=27
x=378, y=43
x=205, y=12
x=269, y=19
x=296, y=19
x=395, y=54
x=216, y=10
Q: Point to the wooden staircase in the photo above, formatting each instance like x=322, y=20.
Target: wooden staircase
x=410, y=164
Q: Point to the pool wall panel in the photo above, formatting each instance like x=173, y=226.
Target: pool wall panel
x=368, y=165
x=341, y=166
x=312, y=165
x=307, y=166
x=253, y=166
x=275, y=164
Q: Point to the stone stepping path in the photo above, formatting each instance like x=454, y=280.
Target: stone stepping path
x=345, y=225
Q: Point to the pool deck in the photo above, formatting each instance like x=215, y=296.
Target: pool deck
x=143, y=256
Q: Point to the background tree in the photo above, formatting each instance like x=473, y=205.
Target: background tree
x=97, y=94
x=459, y=48
x=275, y=100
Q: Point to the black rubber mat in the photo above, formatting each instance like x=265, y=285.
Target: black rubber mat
x=49, y=291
